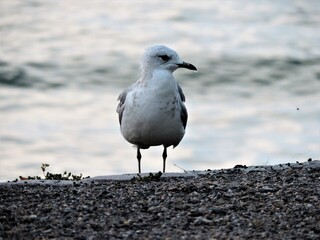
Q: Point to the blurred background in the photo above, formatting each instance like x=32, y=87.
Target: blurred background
x=253, y=101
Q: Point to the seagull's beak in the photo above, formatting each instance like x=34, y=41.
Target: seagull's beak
x=187, y=65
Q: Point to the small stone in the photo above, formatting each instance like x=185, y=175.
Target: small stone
x=202, y=220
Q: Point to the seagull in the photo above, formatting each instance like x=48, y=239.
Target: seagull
x=152, y=111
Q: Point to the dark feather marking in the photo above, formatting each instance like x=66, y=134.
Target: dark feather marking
x=183, y=113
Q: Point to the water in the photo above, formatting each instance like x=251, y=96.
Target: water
x=63, y=64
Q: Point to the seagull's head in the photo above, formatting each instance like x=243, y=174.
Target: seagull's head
x=162, y=57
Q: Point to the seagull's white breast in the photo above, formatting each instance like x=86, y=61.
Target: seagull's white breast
x=152, y=112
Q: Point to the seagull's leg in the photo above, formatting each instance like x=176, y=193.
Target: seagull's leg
x=139, y=159
x=164, y=156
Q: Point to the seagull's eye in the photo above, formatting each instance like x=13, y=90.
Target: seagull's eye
x=164, y=58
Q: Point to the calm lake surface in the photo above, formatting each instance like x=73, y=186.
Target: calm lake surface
x=254, y=99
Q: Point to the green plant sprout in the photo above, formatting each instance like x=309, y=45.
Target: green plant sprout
x=148, y=178
x=54, y=176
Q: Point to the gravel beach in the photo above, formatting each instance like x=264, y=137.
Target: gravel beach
x=258, y=202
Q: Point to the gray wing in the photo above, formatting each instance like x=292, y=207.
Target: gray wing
x=183, y=113
x=122, y=99
x=120, y=108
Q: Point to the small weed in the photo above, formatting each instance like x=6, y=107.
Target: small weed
x=149, y=178
x=43, y=168
x=30, y=178
x=54, y=176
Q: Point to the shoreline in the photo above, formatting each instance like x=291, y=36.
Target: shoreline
x=270, y=202
x=195, y=173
